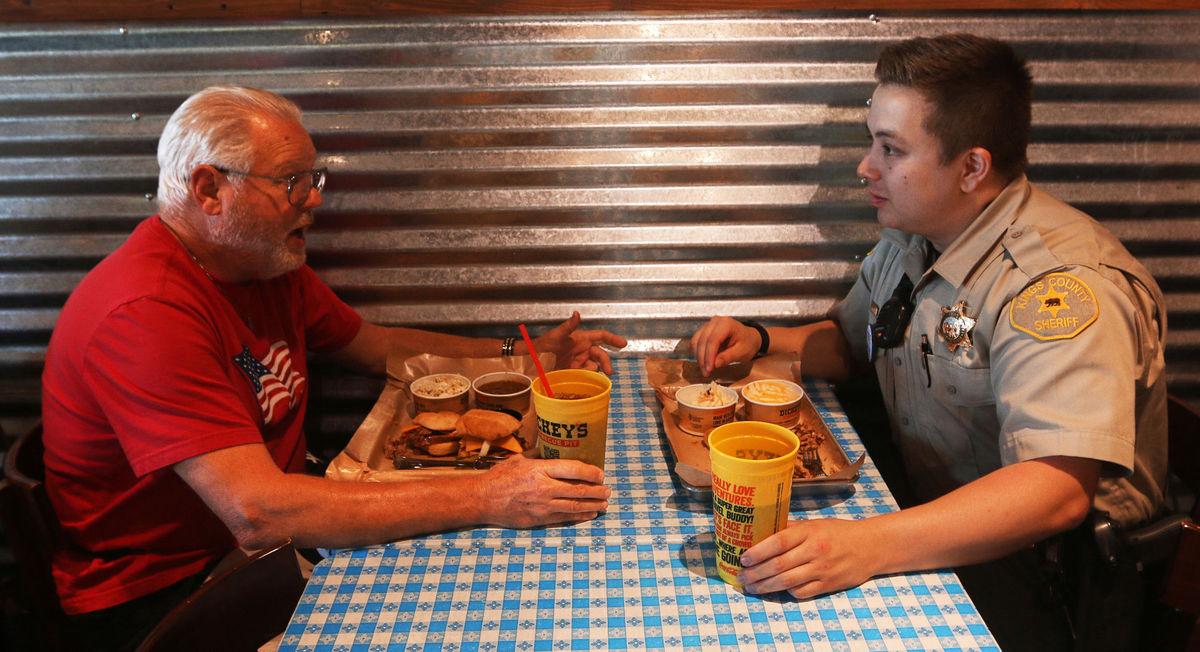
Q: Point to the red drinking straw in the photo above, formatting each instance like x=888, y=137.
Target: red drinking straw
x=537, y=362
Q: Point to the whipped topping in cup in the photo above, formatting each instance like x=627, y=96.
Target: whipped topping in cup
x=712, y=396
x=770, y=392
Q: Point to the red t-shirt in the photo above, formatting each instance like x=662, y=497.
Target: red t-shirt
x=152, y=363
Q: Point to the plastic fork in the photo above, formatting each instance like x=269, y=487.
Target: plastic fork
x=811, y=461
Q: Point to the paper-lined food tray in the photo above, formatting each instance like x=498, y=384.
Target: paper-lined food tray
x=365, y=458
x=691, y=453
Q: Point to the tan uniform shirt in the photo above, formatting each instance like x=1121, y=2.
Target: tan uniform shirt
x=1065, y=355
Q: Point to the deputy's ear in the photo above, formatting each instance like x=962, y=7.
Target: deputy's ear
x=977, y=164
x=205, y=184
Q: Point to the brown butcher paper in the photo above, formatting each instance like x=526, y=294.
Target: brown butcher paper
x=364, y=458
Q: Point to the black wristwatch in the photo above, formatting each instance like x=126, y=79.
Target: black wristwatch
x=762, y=334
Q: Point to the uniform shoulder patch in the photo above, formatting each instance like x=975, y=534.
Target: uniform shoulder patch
x=1057, y=306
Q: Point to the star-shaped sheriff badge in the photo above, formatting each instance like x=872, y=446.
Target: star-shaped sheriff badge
x=956, y=327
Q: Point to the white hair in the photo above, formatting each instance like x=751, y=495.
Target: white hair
x=212, y=127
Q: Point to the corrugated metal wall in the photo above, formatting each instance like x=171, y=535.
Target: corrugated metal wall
x=651, y=171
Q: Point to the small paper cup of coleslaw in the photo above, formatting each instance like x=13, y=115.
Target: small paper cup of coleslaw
x=773, y=401
x=441, y=392
x=703, y=407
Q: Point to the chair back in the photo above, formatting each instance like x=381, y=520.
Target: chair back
x=1183, y=440
x=34, y=534
x=239, y=609
x=1181, y=586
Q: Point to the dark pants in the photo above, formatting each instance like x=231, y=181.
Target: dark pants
x=1107, y=601
x=125, y=626
x=1066, y=598
x=1013, y=598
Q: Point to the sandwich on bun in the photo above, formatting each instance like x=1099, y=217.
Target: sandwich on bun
x=447, y=434
x=431, y=433
x=483, y=429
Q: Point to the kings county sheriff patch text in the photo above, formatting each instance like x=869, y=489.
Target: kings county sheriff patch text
x=1057, y=306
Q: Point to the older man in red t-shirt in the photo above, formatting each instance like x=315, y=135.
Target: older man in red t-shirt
x=176, y=383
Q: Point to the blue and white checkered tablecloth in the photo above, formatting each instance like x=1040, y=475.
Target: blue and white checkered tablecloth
x=642, y=576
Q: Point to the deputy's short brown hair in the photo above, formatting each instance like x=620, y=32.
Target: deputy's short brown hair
x=980, y=89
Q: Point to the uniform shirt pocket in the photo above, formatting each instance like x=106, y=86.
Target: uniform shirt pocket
x=956, y=385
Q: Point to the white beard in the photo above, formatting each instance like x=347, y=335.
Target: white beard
x=254, y=244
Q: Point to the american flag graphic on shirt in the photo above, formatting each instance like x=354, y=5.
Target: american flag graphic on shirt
x=276, y=383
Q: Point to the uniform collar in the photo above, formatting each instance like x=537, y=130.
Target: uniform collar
x=979, y=239
x=913, y=246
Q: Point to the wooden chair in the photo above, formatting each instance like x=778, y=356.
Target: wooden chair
x=239, y=609
x=1181, y=587
x=34, y=534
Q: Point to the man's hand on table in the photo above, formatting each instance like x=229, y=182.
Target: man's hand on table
x=524, y=493
x=722, y=341
x=576, y=348
x=812, y=557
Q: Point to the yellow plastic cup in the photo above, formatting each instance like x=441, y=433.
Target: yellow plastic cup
x=573, y=428
x=752, y=465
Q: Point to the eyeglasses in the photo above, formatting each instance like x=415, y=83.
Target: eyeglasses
x=298, y=184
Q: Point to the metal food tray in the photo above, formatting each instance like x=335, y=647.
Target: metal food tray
x=364, y=458
x=692, y=466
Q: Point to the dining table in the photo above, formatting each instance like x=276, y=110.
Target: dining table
x=641, y=576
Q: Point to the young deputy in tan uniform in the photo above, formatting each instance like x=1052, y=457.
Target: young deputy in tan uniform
x=1018, y=345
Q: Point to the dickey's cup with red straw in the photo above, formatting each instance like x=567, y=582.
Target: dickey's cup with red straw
x=752, y=465
x=574, y=424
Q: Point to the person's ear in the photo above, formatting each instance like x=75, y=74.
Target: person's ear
x=205, y=186
x=976, y=165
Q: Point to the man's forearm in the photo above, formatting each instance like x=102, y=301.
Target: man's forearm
x=1002, y=512
x=262, y=505
x=410, y=340
x=370, y=349
x=318, y=513
x=821, y=346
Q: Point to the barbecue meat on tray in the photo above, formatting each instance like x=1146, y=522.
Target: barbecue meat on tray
x=448, y=435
